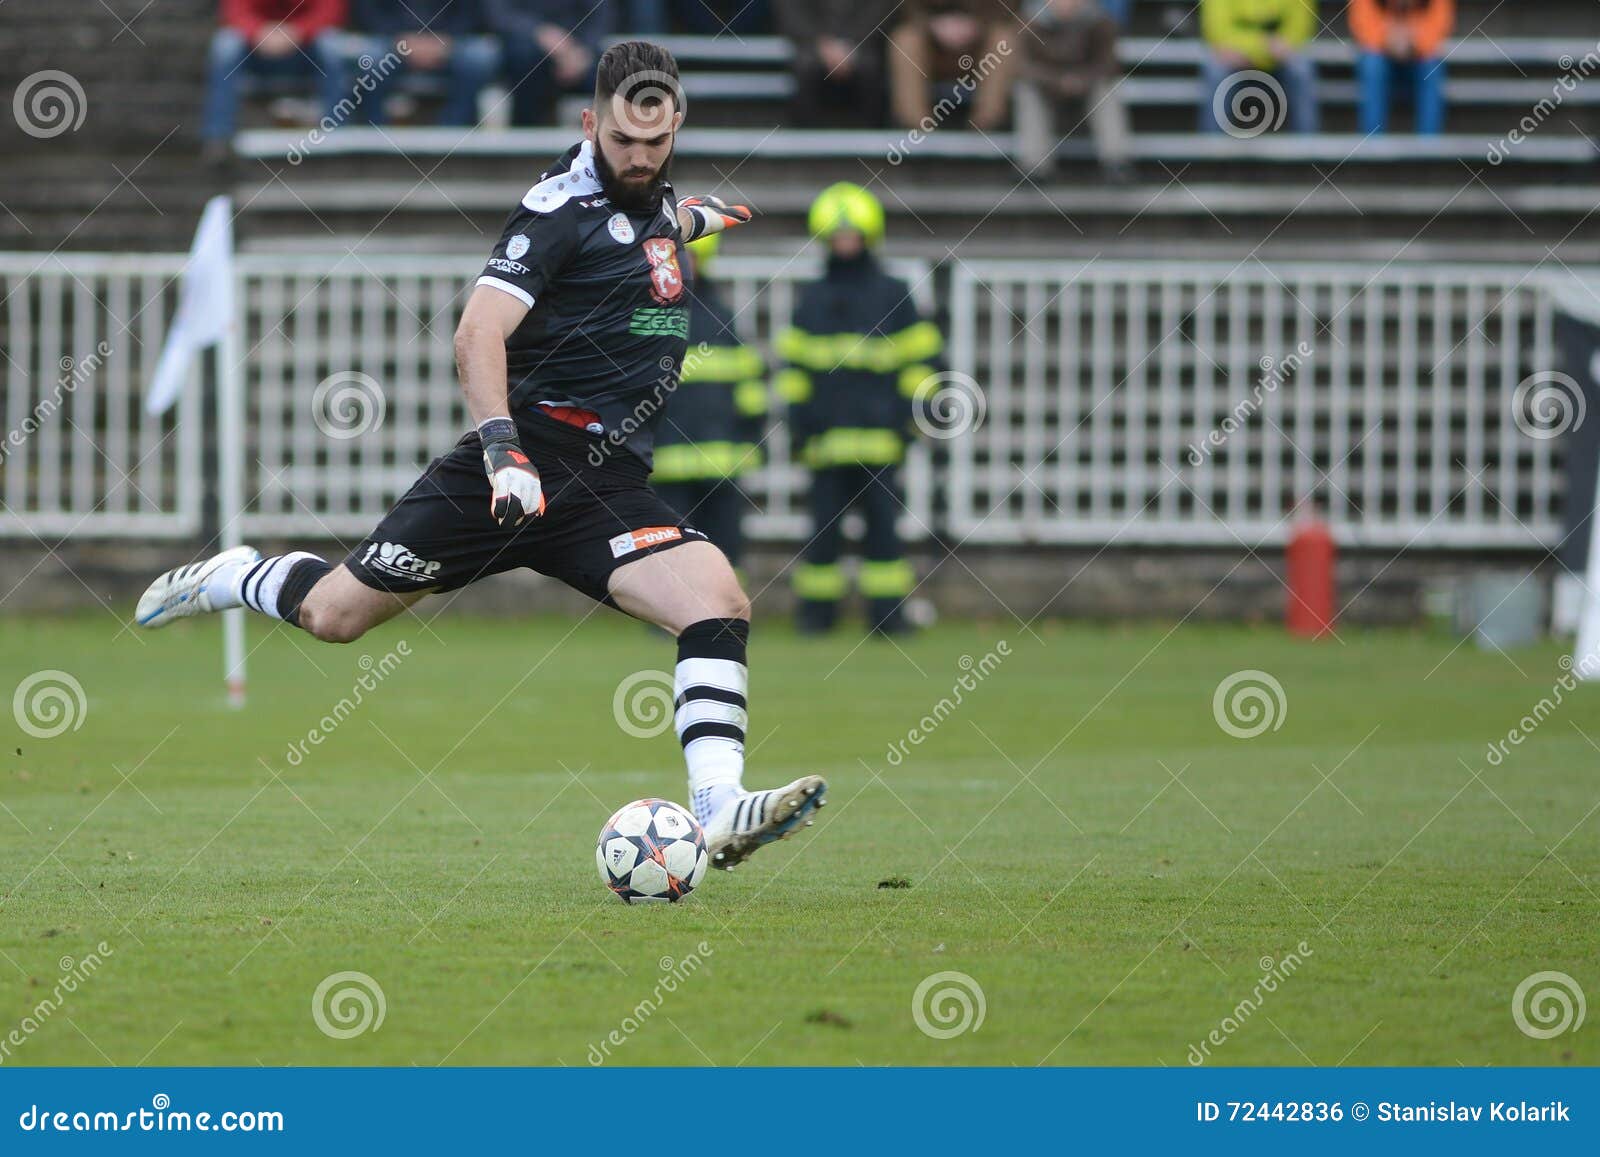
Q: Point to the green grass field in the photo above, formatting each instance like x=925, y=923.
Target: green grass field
x=441, y=840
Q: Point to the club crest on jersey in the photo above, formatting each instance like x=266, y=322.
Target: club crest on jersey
x=666, y=277
x=517, y=246
x=621, y=228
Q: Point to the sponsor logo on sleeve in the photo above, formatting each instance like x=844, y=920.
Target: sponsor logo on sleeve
x=515, y=268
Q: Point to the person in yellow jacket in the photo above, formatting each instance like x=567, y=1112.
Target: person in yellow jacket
x=710, y=433
x=1260, y=36
x=858, y=361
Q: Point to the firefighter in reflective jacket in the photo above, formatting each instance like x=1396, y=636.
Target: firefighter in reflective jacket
x=711, y=431
x=858, y=360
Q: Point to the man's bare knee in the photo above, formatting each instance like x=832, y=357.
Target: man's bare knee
x=332, y=624
x=340, y=608
x=731, y=603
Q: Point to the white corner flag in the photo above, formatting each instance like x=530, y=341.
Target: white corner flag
x=205, y=305
x=205, y=318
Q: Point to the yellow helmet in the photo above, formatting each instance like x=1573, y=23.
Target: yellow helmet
x=846, y=206
x=704, y=250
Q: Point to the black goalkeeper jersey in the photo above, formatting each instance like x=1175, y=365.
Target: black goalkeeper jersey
x=608, y=319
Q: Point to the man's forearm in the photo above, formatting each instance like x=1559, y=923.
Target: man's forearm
x=481, y=365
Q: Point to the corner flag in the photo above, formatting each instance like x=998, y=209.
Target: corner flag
x=205, y=305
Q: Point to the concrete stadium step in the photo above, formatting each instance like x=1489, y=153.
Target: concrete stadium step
x=1325, y=191
x=993, y=218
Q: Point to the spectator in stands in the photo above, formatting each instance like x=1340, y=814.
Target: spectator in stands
x=965, y=47
x=268, y=39
x=724, y=17
x=1402, y=40
x=1070, y=59
x=438, y=38
x=1259, y=35
x=549, y=47
x=838, y=60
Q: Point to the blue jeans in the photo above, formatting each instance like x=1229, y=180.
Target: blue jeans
x=531, y=76
x=1380, y=75
x=1118, y=10
x=232, y=66
x=1297, y=75
x=472, y=63
x=733, y=18
x=643, y=17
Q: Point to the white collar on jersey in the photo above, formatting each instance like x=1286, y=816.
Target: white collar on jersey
x=580, y=180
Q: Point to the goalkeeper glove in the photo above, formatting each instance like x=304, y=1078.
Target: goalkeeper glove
x=713, y=215
x=516, y=492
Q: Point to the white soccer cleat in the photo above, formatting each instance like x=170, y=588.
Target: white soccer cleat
x=187, y=590
x=756, y=818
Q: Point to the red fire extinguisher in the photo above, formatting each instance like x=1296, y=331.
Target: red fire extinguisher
x=1311, y=556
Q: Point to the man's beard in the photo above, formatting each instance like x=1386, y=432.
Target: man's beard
x=631, y=197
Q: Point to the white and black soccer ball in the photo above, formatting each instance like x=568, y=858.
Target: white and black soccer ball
x=651, y=850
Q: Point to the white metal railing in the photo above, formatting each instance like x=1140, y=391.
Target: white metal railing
x=1153, y=402
x=1126, y=402
x=308, y=320
x=79, y=337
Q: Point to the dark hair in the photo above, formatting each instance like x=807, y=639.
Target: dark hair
x=642, y=72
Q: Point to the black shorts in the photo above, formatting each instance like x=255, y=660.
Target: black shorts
x=600, y=514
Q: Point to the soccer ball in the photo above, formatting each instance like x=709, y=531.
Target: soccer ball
x=651, y=850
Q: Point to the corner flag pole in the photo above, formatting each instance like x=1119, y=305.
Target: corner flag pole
x=1584, y=654
x=230, y=488
x=208, y=317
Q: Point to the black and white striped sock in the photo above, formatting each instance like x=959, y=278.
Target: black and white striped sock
x=709, y=689
x=277, y=586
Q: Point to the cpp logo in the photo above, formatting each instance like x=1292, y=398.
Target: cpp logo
x=400, y=560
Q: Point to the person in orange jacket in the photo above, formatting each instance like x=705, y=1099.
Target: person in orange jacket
x=1402, y=41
